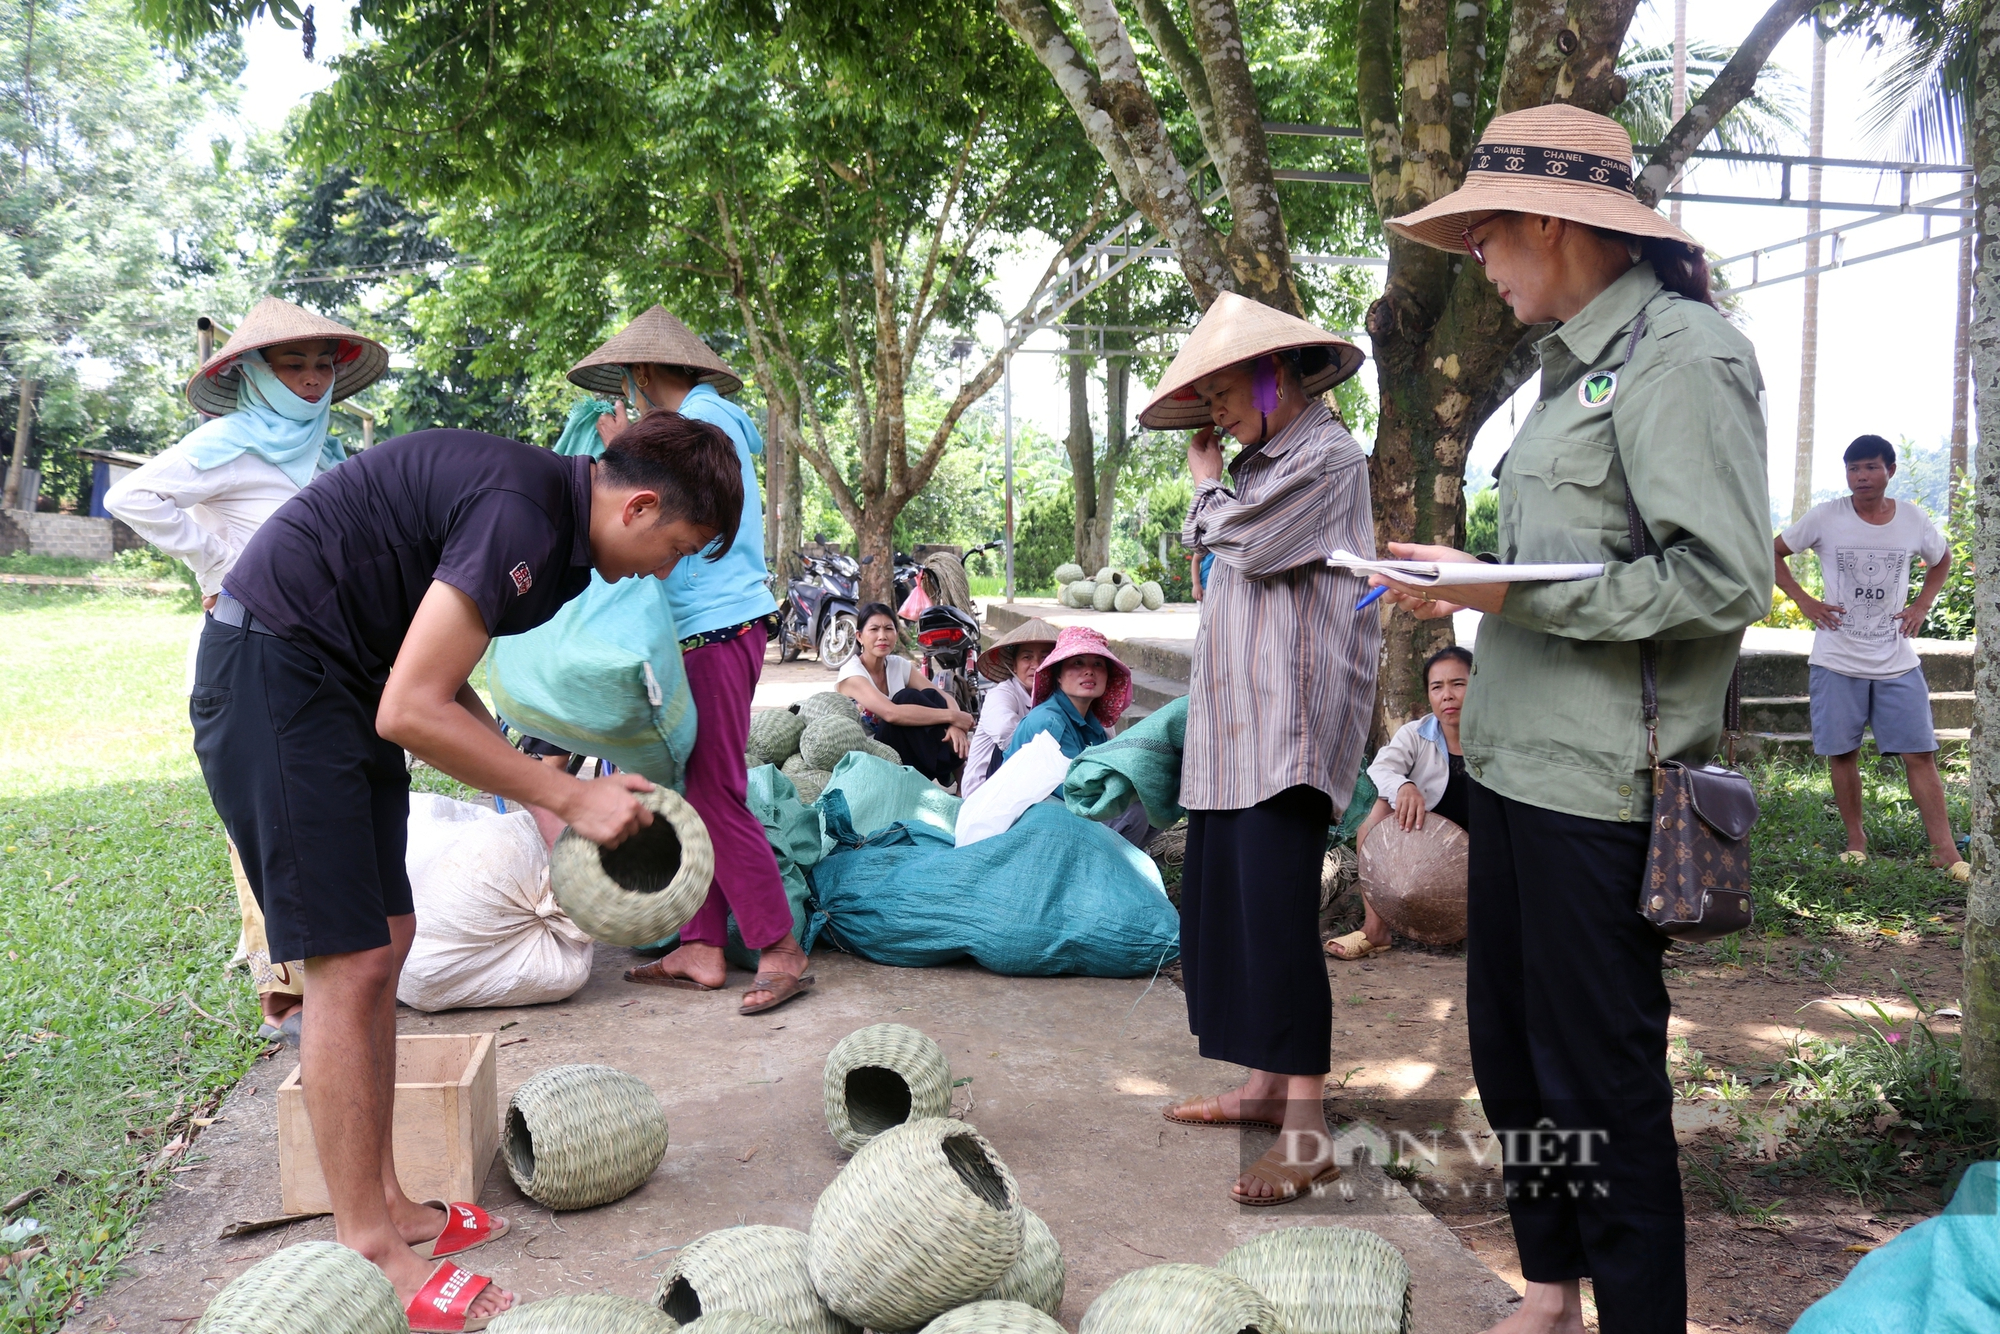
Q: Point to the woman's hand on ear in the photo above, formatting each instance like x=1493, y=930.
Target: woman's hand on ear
x=1204, y=455
x=611, y=423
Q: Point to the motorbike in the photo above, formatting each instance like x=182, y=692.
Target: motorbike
x=948, y=638
x=817, y=613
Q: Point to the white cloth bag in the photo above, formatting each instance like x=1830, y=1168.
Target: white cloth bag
x=489, y=932
x=1031, y=774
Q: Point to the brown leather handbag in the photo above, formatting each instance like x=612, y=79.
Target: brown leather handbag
x=1697, y=884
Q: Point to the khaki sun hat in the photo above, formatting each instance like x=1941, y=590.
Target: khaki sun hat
x=1558, y=161
x=358, y=361
x=997, y=663
x=1235, y=329
x=656, y=338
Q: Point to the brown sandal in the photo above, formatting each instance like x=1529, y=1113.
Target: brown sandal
x=1208, y=1112
x=782, y=986
x=655, y=974
x=1274, y=1169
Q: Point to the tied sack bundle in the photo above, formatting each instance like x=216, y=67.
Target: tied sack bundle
x=926, y=1217
x=489, y=932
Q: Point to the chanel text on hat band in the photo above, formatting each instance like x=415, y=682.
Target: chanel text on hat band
x=1555, y=163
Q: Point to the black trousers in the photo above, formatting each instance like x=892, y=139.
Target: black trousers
x=1568, y=1018
x=1251, y=962
x=925, y=749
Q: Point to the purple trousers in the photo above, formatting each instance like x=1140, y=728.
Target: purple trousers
x=723, y=677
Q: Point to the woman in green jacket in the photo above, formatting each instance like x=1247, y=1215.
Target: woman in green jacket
x=1646, y=388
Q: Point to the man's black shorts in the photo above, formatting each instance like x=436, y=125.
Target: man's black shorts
x=317, y=803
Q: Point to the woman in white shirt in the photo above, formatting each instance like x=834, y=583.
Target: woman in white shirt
x=1012, y=664
x=269, y=394
x=898, y=702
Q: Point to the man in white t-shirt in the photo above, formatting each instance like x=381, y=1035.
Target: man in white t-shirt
x=1864, y=670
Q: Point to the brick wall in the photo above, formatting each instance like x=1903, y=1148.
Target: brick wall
x=65, y=534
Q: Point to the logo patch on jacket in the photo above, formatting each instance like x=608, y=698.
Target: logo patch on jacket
x=523, y=580
x=1596, y=388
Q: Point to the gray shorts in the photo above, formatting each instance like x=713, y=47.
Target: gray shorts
x=1898, y=709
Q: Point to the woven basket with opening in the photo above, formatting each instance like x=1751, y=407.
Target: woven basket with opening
x=583, y=1135
x=316, y=1287
x=646, y=888
x=993, y=1318
x=1036, y=1278
x=926, y=1217
x=759, y=1268
x=882, y=1076
x=1327, y=1280
x=583, y=1313
x=735, y=1322
x=1187, y=1299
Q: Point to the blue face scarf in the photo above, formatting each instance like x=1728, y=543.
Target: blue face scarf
x=271, y=422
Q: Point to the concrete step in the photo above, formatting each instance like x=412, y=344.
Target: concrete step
x=1950, y=709
x=1796, y=747
x=1770, y=673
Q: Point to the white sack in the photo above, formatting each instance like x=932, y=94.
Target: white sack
x=1030, y=774
x=489, y=932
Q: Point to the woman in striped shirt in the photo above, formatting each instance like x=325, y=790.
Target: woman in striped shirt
x=1278, y=708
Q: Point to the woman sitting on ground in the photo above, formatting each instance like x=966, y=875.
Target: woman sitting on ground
x=1011, y=664
x=1423, y=768
x=1081, y=689
x=898, y=702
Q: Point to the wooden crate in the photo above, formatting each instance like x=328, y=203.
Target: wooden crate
x=447, y=1123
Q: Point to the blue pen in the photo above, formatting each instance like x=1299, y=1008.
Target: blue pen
x=1373, y=593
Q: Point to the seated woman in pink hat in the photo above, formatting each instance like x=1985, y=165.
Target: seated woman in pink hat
x=1279, y=705
x=1081, y=689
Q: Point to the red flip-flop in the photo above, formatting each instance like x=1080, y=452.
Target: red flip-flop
x=465, y=1226
x=440, y=1306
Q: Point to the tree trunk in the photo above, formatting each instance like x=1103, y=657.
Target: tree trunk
x=777, y=459
x=1980, y=1044
x=24, y=431
x=1087, y=529
x=1802, y=458
x=875, y=536
x=1961, y=367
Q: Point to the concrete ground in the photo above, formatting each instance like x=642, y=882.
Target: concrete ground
x=1067, y=1077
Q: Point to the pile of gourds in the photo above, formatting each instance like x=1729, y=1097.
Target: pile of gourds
x=1107, y=590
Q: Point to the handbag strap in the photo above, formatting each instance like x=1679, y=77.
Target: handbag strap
x=1649, y=690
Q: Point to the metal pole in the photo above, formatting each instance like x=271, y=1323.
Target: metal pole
x=1680, y=103
x=1007, y=418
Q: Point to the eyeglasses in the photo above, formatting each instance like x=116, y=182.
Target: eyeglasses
x=1473, y=248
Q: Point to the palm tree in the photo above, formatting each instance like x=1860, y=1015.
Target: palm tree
x=1764, y=122
x=1923, y=109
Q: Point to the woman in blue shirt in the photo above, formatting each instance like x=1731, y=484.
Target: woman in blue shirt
x=1080, y=691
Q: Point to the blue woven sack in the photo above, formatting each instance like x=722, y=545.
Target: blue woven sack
x=1055, y=894
x=603, y=677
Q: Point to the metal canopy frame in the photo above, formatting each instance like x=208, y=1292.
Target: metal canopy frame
x=1132, y=240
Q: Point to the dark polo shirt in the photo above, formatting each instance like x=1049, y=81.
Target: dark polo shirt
x=340, y=568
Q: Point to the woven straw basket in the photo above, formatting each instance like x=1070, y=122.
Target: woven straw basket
x=735, y=1322
x=759, y=1269
x=1036, y=1278
x=646, y=888
x=583, y=1135
x=1327, y=1280
x=993, y=1318
x=926, y=1217
x=1187, y=1299
x=582, y=1313
x=316, y=1287
x=882, y=1076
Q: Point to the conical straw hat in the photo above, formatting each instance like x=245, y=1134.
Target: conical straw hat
x=358, y=363
x=1237, y=329
x=654, y=339
x=1559, y=161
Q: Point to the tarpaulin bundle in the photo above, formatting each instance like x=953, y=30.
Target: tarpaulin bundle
x=1142, y=763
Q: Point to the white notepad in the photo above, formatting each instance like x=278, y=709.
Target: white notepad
x=1430, y=573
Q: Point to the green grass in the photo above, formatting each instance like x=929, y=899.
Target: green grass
x=118, y=1025
x=1797, y=877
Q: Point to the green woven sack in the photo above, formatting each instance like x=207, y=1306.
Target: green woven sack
x=774, y=735
x=583, y=1135
x=315, y=1287
x=1081, y=592
x=1327, y=1280
x=883, y=1076
x=826, y=702
x=926, y=1217
x=646, y=888
x=583, y=1313
x=758, y=1269
x=809, y=783
x=1105, y=596
x=1069, y=573
x=826, y=739
x=1152, y=596
x=735, y=1322
x=1187, y=1299
x=1037, y=1277
x=1128, y=598
x=994, y=1318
